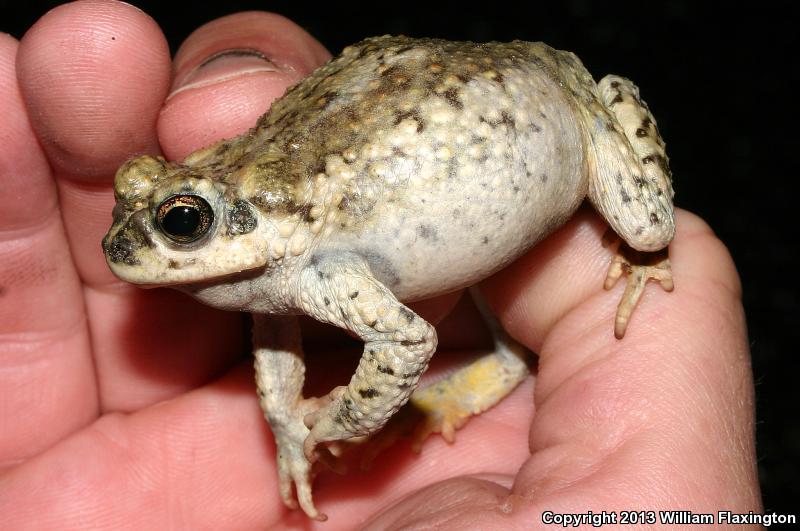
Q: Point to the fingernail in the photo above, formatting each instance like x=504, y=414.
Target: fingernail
x=222, y=66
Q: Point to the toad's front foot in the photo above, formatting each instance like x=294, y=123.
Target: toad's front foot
x=294, y=469
x=640, y=267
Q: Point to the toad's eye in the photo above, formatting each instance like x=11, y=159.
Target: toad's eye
x=184, y=218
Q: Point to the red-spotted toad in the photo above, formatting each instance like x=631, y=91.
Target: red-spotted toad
x=400, y=170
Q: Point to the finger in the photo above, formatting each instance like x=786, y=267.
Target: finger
x=46, y=373
x=465, y=502
x=227, y=74
x=199, y=461
x=113, y=70
x=640, y=419
x=559, y=274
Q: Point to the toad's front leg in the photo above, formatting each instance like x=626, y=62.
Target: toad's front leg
x=340, y=289
x=280, y=372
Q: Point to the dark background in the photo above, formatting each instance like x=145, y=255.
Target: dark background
x=721, y=81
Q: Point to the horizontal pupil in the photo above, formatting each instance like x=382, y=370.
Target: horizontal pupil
x=181, y=221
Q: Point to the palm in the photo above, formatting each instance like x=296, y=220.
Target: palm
x=78, y=347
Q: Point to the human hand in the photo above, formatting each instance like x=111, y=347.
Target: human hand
x=120, y=406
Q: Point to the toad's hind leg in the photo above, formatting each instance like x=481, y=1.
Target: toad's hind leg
x=340, y=289
x=446, y=405
x=630, y=185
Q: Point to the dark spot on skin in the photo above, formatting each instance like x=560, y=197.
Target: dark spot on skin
x=325, y=100
x=172, y=264
x=452, y=168
x=427, y=232
x=543, y=115
x=411, y=342
x=414, y=115
x=507, y=120
x=382, y=268
x=451, y=95
x=659, y=192
x=654, y=219
x=410, y=375
x=320, y=274
x=544, y=177
x=385, y=370
x=617, y=99
x=515, y=189
x=305, y=212
x=638, y=180
x=614, y=84
x=610, y=127
x=641, y=132
x=326, y=300
x=407, y=314
x=658, y=159
x=403, y=385
x=477, y=139
x=354, y=295
x=639, y=230
x=625, y=197
x=397, y=152
x=345, y=414
x=369, y=393
x=646, y=123
x=534, y=128
x=485, y=240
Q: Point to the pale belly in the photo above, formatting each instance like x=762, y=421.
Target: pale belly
x=445, y=233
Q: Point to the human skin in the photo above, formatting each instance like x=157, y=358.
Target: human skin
x=124, y=408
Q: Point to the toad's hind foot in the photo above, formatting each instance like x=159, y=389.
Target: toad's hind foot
x=640, y=267
x=446, y=406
